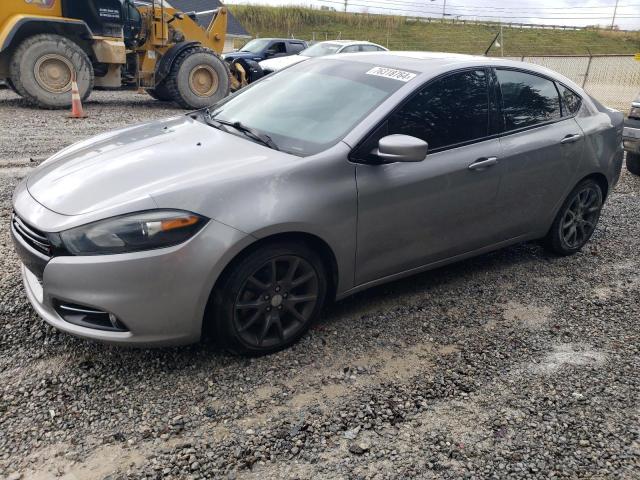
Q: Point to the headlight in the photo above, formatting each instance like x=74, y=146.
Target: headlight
x=133, y=232
x=635, y=111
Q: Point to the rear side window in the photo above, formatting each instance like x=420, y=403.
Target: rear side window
x=350, y=49
x=527, y=99
x=369, y=48
x=296, y=47
x=570, y=101
x=451, y=110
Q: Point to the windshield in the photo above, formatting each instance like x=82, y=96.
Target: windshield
x=255, y=46
x=321, y=49
x=309, y=107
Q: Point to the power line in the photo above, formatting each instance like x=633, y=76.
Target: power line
x=530, y=16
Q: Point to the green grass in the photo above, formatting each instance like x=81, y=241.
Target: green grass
x=401, y=33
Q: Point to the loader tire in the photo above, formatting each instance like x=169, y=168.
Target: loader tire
x=633, y=163
x=11, y=86
x=198, y=78
x=41, y=70
x=160, y=93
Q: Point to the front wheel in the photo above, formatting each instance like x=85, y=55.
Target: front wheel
x=633, y=163
x=42, y=70
x=269, y=299
x=198, y=79
x=577, y=219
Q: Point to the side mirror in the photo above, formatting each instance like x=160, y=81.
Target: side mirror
x=401, y=148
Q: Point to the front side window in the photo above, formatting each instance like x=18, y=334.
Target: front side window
x=310, y=106
x=449, y=111
x=350, y=49
x=527, y=99
x=255, y=46
x=278, y=47
x=570, y=101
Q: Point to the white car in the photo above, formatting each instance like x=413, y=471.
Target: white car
x=320, y=49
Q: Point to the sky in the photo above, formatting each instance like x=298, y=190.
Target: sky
x=550, y=12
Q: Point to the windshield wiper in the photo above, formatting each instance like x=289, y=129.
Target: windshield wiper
x=248, y=131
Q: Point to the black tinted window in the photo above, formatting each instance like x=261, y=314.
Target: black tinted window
x=570, y=101
x=451, y=110
x=527, y=99
x=296, y=47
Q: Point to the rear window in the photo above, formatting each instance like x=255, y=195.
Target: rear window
x=527, y=99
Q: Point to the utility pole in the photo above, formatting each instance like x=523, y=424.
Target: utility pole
x=615, y=10
x=444, y=8
x=346, y=2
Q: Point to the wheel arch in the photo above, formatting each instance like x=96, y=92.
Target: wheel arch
x=600, y=179
x=25, y=27
x=311, y=240
x=167, y=60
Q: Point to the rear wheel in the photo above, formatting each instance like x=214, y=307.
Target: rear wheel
x=270, y=299
x=160, y=93
x=577, y=219
x=11, y=86
x=42, y=68
x=633, y=163
x=198, y=78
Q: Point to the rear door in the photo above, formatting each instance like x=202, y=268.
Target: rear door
x=541, y=150
x=413, y=214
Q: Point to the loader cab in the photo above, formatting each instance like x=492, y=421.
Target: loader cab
x=104, y=17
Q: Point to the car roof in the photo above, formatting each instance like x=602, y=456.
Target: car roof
x=348, y=42
x=281, y=39
x=433, y=62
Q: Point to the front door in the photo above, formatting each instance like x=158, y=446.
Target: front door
x=413, y=214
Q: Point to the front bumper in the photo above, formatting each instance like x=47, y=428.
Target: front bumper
x=160, y=295
x=631, y=136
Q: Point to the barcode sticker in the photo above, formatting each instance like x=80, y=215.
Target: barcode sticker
x=392, y=73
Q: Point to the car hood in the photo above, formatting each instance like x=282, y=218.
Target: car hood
x=128, y=166
x=275, y=64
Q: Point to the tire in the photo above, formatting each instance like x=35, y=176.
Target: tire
x=51, y=54
x=576, y=220
x=160, y=93
x=252, y=68
x=198, y=60
x=248, y=304
x=633, y=163
x=11, y=86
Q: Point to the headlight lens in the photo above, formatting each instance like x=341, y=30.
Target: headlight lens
x=635, y=111
x=133, y=232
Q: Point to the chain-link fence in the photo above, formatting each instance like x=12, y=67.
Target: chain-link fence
x=613, y=80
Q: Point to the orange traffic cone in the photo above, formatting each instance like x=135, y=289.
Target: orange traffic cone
x=76, y=102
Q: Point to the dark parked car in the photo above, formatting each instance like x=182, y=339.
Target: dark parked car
x=263, y=48
x=632, y=137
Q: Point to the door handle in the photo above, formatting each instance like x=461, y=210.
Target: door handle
x=571, y=138
x=483, y=163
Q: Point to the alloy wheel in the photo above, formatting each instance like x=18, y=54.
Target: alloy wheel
x=276, y=302
x=581, y=217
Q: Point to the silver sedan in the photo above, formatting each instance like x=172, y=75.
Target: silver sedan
x=329, y=177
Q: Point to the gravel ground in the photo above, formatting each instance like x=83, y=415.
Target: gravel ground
x=515, y=364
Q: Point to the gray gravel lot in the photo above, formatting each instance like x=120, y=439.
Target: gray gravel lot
x=515, y=364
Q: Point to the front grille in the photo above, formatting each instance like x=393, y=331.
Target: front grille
x=88, y=317
x=33, y=237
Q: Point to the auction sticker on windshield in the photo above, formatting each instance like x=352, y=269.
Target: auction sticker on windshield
x=392, y=73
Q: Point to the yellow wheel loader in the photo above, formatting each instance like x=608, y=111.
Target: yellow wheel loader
x=113, y=44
